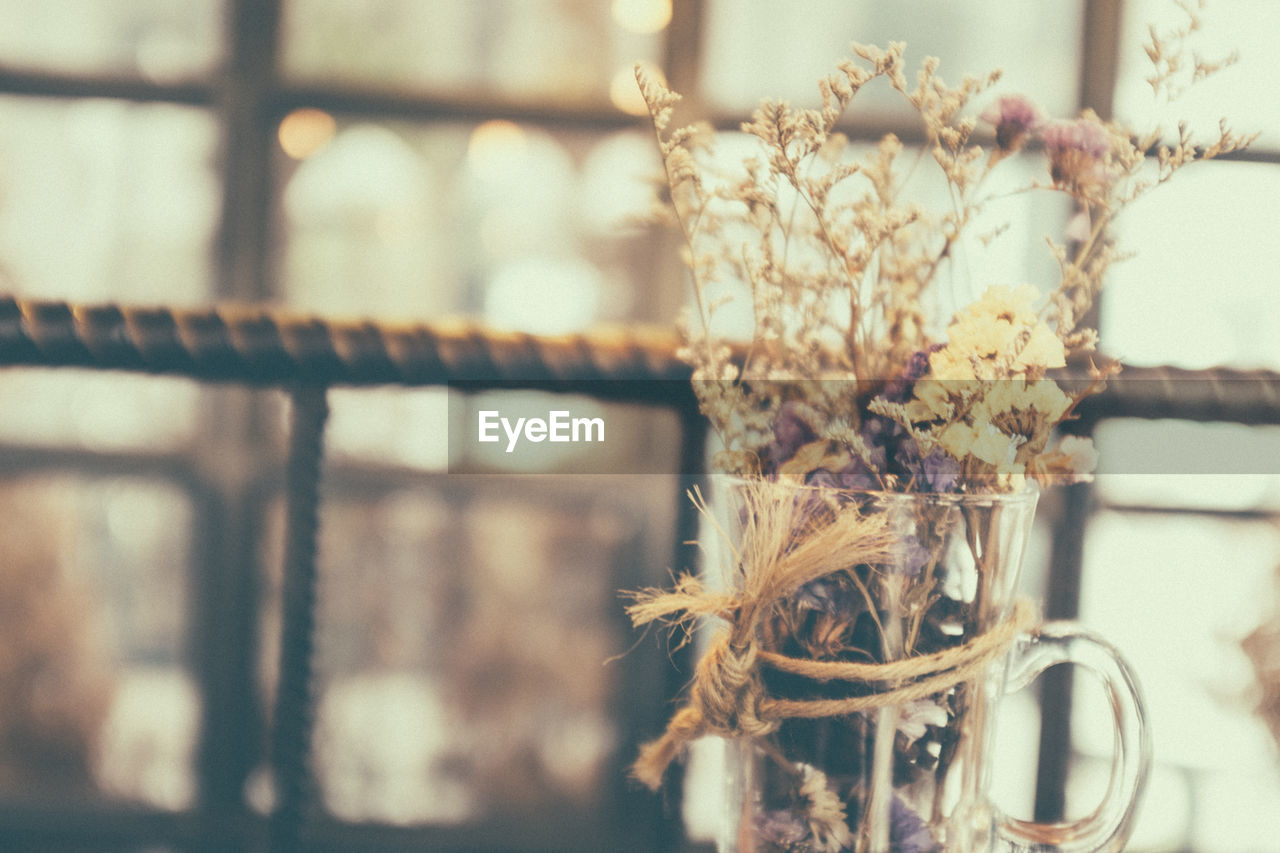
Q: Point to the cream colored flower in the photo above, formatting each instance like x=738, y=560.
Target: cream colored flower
x=1072, y=461
x=951, y=364
x=999, y=335
x=983, y=335
x=1043, y=349
x=936, y=398
x=1009, y=396
x=828, y=823
x=994, y=447
x=1080, y=450
x=1048, y=399
x=1009, y=304
x=957, y=439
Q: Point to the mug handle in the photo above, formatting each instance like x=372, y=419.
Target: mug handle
x=1109, y=825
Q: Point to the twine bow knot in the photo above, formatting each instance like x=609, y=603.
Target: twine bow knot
x=728, y=691
x=728, y=696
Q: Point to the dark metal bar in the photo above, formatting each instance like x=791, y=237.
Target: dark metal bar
x=98, y=826
x=225, y=635
x=384, y=103
x=683, y=47
x=246, y=87
x=264, y=347
x=1100, y=55
x=63, y=85
x=257, y=346
x=294, y=711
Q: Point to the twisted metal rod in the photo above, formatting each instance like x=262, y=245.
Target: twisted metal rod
x=294, y=714
x=264, y=346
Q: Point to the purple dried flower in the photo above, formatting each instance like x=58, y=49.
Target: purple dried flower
x=939, y=472
x=857, y=475
x=906, y=459
x=1077, y=152
x=880, y=435
x=1085, y=135
x=821, y=478
x=790, y=433
x=898, y=389
x=918, y=364
x=826, y=595
x=1014, y=117
x=907, y=832
x=935, y=472
x=909, y=557
x=782, y=827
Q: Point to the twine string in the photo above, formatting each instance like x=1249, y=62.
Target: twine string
x=728, y=696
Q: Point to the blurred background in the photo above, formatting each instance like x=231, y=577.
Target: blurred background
x=412, y=160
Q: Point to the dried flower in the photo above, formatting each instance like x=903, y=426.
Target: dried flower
x=837, y=263
x=1078, y=154
x=915, y=718
x=938, y=472
x=790, y=431
x=828, y=595
x=782, y=827
x=1015, y=118
x=908, y=833
x=828, y=827
x=1072, y=461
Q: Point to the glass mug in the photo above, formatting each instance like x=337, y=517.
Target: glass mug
x=910, y=774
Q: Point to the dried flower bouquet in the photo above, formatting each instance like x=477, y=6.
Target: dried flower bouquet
x=852, y=389
x=849, y=377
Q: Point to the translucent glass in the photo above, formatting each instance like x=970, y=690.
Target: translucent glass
x=1199, y=292
x=1013, y=765
x=107, y=200
x=464, y=629
x=532, y=231
x=524, y=49
x=98, y=698
x=1242, y=94
x=159, y=40
x=834, y=769
x=1178, y=594
x=764, y=48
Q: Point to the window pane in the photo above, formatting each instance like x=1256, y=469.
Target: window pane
x=1201, y=290
x=1177, y=594
x=763, y=48
x=160, y=40
x=106, y=200
x=97, y=410
x=96, y=694
x=464, y=631
x=529, y=229
x=1244, y=94
x=396, y=426
x=520, y=49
